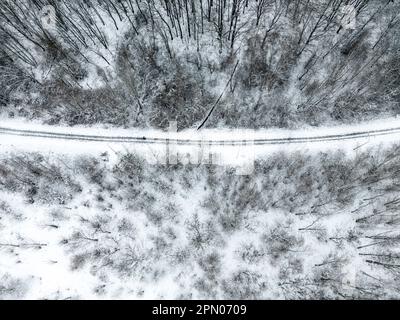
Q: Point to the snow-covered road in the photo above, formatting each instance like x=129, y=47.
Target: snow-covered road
x=231, y=146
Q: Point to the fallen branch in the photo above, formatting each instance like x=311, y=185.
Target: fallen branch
x=219, y=99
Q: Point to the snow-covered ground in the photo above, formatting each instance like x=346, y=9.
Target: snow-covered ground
x=206, y=134
x=288, y=231
x=237, y=155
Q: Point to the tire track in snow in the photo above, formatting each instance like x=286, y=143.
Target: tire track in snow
x=181, y=141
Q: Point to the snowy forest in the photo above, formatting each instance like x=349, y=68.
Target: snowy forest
x=245, y=63
x=303, y=226
x=318, y=218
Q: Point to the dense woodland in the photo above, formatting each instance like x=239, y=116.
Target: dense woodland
x=304, y=226
x=206, y=63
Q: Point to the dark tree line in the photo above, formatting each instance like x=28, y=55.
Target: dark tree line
x=274, y=42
